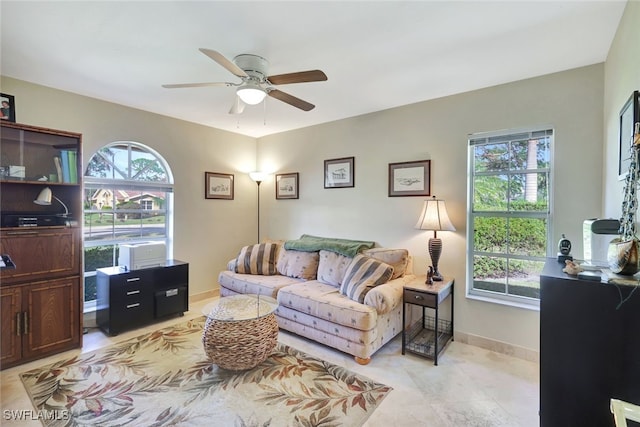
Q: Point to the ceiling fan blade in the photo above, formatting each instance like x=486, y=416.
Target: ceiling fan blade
x=291, y=100
x=220, y=59
x=182, y=85
x=299, y=77
x=237, y=107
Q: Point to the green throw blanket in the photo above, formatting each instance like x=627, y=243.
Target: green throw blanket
x=307, y=243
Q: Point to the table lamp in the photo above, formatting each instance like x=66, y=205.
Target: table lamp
x=434, y=217
x=45, y=197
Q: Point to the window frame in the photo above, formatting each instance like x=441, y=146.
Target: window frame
x=503, y=136
x=91, y=183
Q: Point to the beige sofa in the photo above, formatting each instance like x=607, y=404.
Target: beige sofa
x=351, y=301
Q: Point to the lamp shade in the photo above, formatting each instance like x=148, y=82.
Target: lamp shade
x=258, y=176
x=434, y=216
x=44, y=198
x=251, y=94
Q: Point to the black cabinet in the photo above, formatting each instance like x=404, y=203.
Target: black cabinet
x=589, y=348
x=132, y=298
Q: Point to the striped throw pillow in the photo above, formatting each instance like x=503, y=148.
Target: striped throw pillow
x=362, y=275
x=257, y=259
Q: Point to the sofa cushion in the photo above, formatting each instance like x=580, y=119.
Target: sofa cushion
x=254, y=284
x=344, y=332
x=326, y=302
x=257, y=259
x=362, y=275
x=303, y=265
x=387, y=297
x=397, y=258
x=331, y=268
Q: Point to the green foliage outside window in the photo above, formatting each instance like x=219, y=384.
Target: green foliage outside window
x=94, y=258
x=510, y=211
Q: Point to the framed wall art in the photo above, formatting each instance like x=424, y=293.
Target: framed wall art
x=287, y=185
x=410, y=178
x=8, y=110
x=218, y=185
x=339, y=173
x=629, y=116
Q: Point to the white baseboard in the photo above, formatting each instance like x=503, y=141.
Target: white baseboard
x=498, y=346
x=204, y=295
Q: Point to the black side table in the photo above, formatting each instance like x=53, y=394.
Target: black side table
x=428, y=336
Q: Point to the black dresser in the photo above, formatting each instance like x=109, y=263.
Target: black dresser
x=127, y=299
x=589, y=349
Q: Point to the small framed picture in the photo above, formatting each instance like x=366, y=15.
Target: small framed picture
x=287, y=185
x=218, y=185
x=410, y=178
x=339, y=173
x=629, y=116
x=8, y=110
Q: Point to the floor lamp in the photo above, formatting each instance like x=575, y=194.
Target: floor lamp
x=258, y=177
x=434, y=217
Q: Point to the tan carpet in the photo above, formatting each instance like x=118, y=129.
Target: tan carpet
x=164, y=378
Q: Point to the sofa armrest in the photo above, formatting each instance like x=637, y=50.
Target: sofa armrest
x=386, y=297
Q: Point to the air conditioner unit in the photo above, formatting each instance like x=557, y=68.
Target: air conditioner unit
x=135, y=256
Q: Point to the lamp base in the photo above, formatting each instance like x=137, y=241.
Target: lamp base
x=435, y=249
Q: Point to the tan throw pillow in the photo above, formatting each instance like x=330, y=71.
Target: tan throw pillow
x=298, y=264
x=397, y=258
x=331, y=268
x=362, y=275
x=257, y=259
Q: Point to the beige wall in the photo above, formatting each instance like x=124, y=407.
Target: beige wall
x=621, y=78
x=570, y=102
x=202, y=235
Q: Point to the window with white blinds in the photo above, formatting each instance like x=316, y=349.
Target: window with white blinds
x=509, y=217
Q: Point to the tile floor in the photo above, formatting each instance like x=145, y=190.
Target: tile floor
x=469, y=387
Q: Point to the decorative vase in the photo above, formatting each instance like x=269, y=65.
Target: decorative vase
x=623, y=256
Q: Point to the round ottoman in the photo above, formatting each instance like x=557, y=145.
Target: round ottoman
x=241, y=331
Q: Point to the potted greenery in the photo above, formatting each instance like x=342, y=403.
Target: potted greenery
x=623, y=251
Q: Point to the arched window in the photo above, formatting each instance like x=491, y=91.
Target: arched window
x=128, y=191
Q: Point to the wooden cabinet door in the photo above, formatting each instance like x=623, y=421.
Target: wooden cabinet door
x=10, y=309
x=53, y=315
x=40, y=253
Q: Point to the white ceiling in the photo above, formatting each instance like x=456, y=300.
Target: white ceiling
x=377, y=55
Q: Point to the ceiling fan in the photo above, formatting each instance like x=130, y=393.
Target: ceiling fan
x=256, y=84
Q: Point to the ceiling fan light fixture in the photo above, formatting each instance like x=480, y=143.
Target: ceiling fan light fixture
x=251, y=94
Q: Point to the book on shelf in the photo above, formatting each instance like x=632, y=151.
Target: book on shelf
x=58, y=163
x=64, y=157
x=69, y=160
x=73, y=167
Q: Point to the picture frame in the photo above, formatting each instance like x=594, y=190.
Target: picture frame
x=411, y=178
x=218, y=185
x=287, y=186
x=339, y=173
x=629, y=116
x=8, y=110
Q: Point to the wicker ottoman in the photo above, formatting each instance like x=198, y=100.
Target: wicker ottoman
x=241, y=331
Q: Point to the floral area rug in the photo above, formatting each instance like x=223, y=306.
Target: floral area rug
x=164, y=378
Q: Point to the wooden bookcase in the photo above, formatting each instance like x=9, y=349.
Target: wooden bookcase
x=41, y=298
